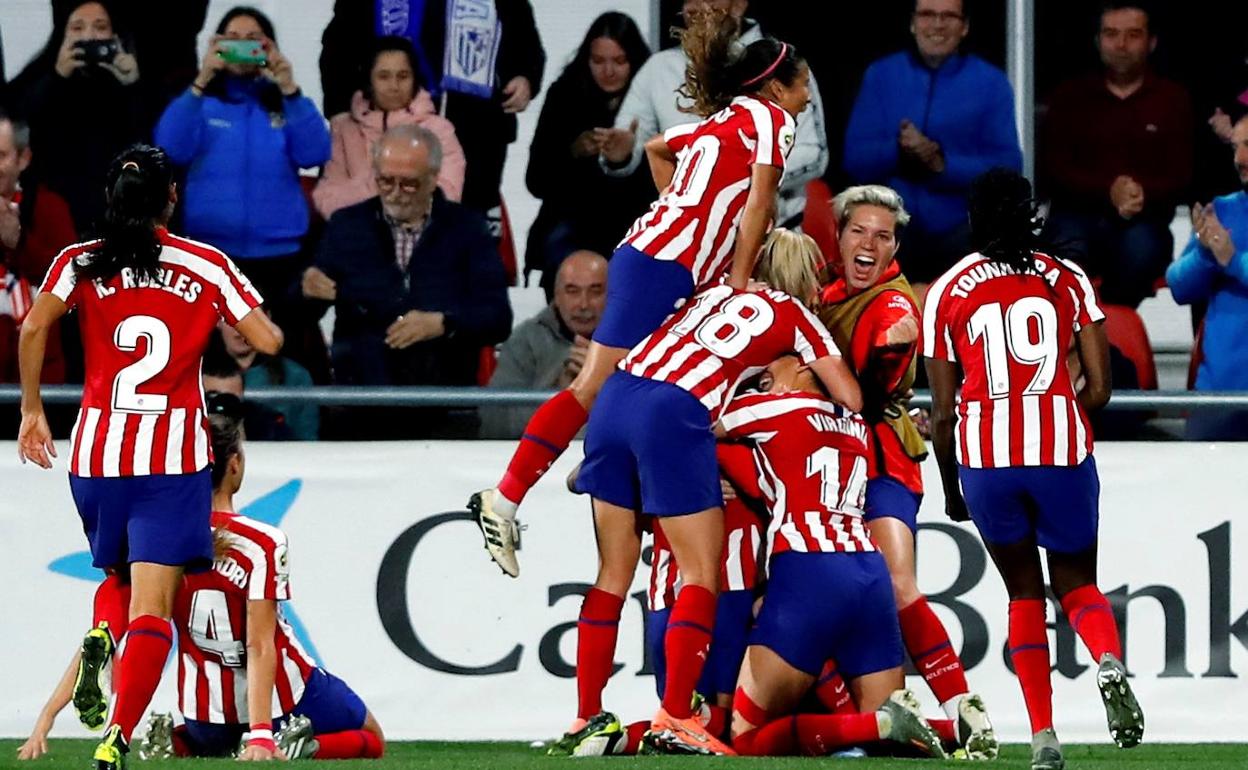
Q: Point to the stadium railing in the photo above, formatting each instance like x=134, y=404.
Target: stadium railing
x=1164, y=401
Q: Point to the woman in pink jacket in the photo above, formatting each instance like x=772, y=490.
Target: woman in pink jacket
x=392, y=96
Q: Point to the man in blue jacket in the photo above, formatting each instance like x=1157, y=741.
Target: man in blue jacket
x=416, y=282
x=1214, y=269
x=926, y=122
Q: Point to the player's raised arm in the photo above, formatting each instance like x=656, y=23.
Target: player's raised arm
x=34, y=438
x=756, y=220
x=839, y=379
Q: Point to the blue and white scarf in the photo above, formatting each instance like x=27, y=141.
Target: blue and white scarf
x=473, y=34
x=404, y=18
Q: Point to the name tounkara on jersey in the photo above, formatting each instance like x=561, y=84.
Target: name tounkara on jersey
x=986, y=271
x=168, y=279
x=845, y=425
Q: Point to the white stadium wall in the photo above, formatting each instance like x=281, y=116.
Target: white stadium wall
x=393, y=589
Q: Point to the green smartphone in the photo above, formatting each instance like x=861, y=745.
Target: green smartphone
x=242, y=51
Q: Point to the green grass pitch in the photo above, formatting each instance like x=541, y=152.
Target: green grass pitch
x=74, y=755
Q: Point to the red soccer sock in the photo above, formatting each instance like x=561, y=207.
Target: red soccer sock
x=928, y=644
x=180, y=747
x=946, y=729
x=814, y=735
x=831, y=691
x=145, y=647
x=633, y=733
x=717, y=722
x=596, y=631
x=550, y=430
x=1090, y=615
x=685, y=645
x=349, y=744
x=1029, y=649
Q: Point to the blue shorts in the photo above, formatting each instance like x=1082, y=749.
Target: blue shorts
x=641, y=293
x=889, y=498
x=734, y=615
x=1055, y=504
x=158, y=519
x=649, y=448
x=327, y=700
x=831, y=605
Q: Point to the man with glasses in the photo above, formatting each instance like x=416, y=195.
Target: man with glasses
x=415, y=280
x=926, y=122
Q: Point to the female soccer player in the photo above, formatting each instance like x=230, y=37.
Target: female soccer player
x=718, y=180
x=1017, y=452
x=236, y=649
x=874, y=317
x=649, y=449
x=813, y=458
x=148, y=302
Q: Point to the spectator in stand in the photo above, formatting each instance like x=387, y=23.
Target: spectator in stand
x=927, y=121
x=261, y=371
x=243, y=131
x=35, y=224
x=82, y=100
x=484, y=57
x=582, y=207
x=221, y=374
x=655, y=103
x=1214, y=269
x=415, y=280
x=1115, y=158
x=391, y=94
x=547, y=351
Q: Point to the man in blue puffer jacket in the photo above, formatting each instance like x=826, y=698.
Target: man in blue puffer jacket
x=242, y=132
x=1214, y=268
x=926, y=122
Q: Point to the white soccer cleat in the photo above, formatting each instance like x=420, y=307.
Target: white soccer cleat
x=295, y=739
x=906, y=725
x=502, y=535
x=975, y=732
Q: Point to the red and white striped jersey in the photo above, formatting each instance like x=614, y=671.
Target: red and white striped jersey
x=143, y=400
x=211, y=618
x=1011, y=333
x=739, y=571
x=694, y=222
x=723, y=335
x=812, y=456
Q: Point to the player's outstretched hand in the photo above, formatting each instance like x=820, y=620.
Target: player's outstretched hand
x=34, y=440
x=34, y=747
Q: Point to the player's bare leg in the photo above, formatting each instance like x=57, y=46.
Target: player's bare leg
x=927, y=641
x=138, y=669
x=547, y=435
x=595, y=732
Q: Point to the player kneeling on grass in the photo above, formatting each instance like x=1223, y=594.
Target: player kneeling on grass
x=829, y=594
x=236, y=649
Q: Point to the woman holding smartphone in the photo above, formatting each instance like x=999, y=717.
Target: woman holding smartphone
x=243, y=130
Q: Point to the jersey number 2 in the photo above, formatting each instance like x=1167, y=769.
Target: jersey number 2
x=211, y=629
x=126, y=397
x=1011, y=335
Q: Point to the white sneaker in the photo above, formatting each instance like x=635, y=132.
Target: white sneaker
x=295, y=738
x=502, y=535
x=975, y=731
x=157, y=742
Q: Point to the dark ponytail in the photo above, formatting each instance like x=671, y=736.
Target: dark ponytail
x=138, y=184
x=717, y=72
x=1005, y=219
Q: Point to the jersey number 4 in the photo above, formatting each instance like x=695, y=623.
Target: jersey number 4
x=211, y=629
x=126, y=395
x=1026, y=332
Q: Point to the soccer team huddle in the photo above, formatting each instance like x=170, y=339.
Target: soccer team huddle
x=743, y=402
